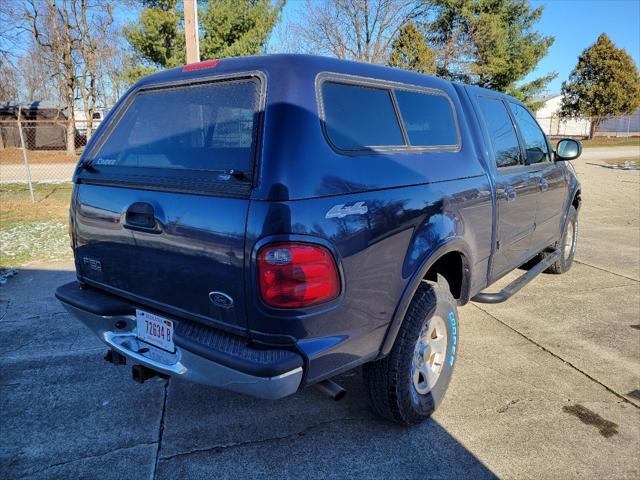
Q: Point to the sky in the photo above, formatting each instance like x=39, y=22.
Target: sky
x=575, y=24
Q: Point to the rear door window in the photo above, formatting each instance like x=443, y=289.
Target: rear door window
x=428, y=119
x=501, y=132
x=358, y=117
x=203, y=127
x=534, y=140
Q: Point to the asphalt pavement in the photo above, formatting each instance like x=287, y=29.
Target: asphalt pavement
x=547, y=385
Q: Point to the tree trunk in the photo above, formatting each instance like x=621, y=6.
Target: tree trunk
x=595, y=121
x=71, y=137
x=71, y=121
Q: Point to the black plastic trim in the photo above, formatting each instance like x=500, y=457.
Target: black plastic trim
x=221, y=347
x=507, y=292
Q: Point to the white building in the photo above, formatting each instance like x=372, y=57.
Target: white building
x=548, y=117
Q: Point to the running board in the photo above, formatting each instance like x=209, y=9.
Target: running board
x=508, y=291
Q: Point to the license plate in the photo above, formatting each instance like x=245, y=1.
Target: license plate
x=155, y=330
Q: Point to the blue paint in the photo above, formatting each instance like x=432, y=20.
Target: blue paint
x=386, y=216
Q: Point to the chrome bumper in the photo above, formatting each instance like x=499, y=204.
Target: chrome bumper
x=183, y=363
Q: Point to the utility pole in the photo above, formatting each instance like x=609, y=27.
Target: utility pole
x=191, y=30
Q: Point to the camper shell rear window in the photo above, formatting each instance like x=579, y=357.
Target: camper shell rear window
x=208, y=126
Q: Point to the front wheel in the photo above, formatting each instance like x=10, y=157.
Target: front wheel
x=408, y=385
x=567, y=244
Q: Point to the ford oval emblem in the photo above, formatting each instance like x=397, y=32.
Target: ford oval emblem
x=220, y=299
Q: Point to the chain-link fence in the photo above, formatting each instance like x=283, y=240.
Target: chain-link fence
x=623, y=126
x=37, y=160
x=555, y=126
x=39, y=152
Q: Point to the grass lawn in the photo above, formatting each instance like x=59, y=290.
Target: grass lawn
x=14, y=156
x=611, y=142
x=33, y=231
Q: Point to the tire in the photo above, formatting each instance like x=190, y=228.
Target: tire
x=566, y=245
x=396, y=391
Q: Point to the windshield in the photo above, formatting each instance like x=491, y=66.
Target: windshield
x=202, y=127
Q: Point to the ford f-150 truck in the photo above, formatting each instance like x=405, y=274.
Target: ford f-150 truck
x=262, y=224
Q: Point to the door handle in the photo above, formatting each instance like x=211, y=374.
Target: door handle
x=509, y=194
x=141, y=216
x=544, y=186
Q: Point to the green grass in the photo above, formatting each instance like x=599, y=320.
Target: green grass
x=611, y=142
x=33, y=231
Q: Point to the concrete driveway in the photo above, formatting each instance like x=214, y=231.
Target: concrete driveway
x=610, y=153
x=543, y=387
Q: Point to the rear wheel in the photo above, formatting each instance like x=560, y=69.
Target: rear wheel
x=566, y=245
x=408, y=385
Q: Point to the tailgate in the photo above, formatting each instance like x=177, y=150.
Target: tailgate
x=160, y=213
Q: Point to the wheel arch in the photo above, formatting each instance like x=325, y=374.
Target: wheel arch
x=577, y=198
x=452, y=259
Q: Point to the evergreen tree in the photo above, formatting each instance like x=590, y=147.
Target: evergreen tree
x=235, y=28
x=411, y=51
x=227, y=28
x=157, y=38
x=604, y=82
x=489, y=43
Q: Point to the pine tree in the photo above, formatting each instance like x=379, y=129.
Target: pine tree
x=236, y=28
x=490, y=43
x=604, y=82
x=227, y=28
x=156, y=39
x=411, y=51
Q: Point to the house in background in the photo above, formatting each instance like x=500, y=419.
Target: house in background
x=553, y=125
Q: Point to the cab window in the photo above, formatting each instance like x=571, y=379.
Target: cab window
x=501, y=132
x=534, y=140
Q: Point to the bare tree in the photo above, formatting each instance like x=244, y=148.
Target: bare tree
x=8, y=83
x=51, y=25
x=361, y=30
x=8, y=31
x=94, y=24
x=74, y=38
x=38, y=79
x=115, y=82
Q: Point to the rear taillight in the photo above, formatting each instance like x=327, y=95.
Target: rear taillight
x=293, y=275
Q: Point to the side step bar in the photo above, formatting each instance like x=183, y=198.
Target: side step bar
x=508, y=291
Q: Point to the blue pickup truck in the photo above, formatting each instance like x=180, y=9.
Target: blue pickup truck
x=262, y=224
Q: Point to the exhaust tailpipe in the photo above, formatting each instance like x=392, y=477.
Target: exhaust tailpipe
x=331, y=388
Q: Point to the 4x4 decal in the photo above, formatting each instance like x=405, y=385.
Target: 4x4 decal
x=341, y=211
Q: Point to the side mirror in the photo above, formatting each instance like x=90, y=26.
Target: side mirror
x=568, y=149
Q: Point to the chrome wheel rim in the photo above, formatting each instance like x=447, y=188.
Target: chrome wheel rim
x=569, y=240
x=429, y=355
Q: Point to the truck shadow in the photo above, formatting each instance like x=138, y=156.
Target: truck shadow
x=208, y=431
x=67, y=411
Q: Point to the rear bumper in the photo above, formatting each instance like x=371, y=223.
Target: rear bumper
x=211, y=357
